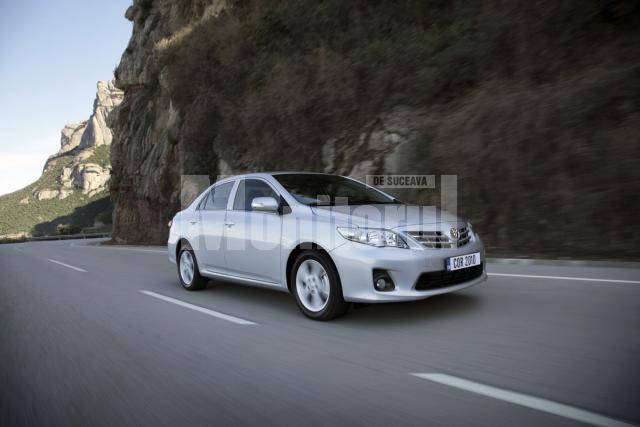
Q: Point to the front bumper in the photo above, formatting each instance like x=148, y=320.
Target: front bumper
x=172, y=244
x=355, y=263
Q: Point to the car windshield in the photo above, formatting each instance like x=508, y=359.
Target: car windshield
x=331, y=190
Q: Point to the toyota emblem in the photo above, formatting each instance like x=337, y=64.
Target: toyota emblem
x=454, y=233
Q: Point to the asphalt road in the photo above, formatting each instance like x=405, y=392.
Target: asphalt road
x=80, y=344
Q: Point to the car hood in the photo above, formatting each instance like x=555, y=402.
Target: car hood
x=384, y=216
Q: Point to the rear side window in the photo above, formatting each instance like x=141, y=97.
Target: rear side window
x=248, y=190
x=218, y=197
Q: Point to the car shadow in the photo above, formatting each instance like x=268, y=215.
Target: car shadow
x=439, y=307
x=380, y=315
x=268, y=298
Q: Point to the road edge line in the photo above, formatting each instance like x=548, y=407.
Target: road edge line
x=579, y=279
x=521, y=399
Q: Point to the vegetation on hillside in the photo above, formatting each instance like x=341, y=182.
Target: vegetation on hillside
x=534, y=105
x=21, y=212
x=286, y=73
x=100, y=156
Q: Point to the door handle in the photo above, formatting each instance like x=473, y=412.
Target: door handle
x=229, y=224
x=193, y=222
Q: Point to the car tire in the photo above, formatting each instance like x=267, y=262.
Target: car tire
x=188, y=272
x=312, y=276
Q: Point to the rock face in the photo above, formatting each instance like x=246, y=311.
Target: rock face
x=79, y=142
x=147, y=151
x=91, y=178
x=46, y=194
x=70, y=136
x=535, y=115
x=97, y=132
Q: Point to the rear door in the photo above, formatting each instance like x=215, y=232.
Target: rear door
x=210, y=253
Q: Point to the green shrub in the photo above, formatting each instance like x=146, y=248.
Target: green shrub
x=67, y=229
x=105, y=217
x=100, y=156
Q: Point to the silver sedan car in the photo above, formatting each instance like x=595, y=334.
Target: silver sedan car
x=328, y=240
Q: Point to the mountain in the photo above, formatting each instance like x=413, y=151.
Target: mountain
x=535, y=106
x=72, y=192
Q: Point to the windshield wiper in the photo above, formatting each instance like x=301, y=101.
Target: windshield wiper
x=376, y=202
x=358, y=203
x=321, y=204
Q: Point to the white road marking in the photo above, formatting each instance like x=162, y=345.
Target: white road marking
x=537, y=403
x=66, y=265
x=122, y=248
x=158, y=251
x=213, y=313
x=585, y=279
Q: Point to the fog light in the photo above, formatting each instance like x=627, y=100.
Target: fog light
x=382, y=282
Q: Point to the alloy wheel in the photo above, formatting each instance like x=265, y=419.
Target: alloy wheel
x=187, y=267
x=312, y=284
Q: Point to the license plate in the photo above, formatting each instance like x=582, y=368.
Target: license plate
x=463, y=261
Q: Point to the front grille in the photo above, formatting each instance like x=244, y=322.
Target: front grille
x=443, y=279
x=439, y=240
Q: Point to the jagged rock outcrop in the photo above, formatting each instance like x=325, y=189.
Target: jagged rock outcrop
x=91, y=178
x=71, y=136
x=97, y=132
x=80, y=141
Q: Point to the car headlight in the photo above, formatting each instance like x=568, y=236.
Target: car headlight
x=472, y=230
x=373, y=236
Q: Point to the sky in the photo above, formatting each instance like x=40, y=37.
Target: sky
x=52, y=54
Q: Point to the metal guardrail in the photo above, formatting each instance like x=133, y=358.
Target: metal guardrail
x=69, y=236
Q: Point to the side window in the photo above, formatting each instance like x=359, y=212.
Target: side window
x=203, y=201
x=218, y=197
x=248, y=190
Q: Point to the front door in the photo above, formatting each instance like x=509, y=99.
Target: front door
x=252, y=238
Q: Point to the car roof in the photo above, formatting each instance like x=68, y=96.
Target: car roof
x=266, y=174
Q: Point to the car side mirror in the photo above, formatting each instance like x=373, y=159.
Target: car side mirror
x=265, y=204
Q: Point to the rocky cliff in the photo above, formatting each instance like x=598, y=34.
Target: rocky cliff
x=148, y=152
x=534, y=106
x=73, y=187
x=85, y=169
